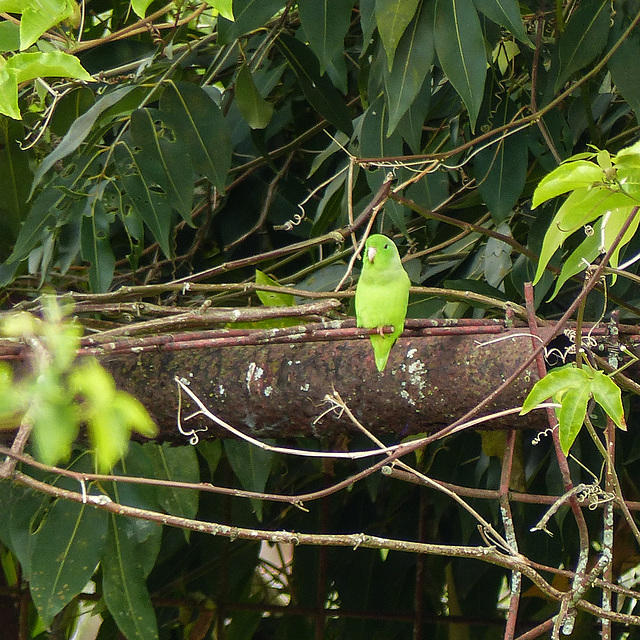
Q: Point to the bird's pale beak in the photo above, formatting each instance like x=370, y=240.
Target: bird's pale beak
x=371, y=253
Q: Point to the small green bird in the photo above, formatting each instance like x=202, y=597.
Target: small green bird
x=382, y=294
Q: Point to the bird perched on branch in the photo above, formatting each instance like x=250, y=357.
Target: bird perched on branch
x=382, y=295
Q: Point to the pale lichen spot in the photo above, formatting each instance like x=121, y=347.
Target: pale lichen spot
x=268, y=390
x=305, y=387
x=406, y=396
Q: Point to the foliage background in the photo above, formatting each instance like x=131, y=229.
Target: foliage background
x=212, y=132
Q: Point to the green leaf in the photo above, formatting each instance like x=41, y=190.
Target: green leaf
x=392, y=18
x=20, y=509
x=326, y=23
x=96, y=247
x=507, y=14
x=374, y=142
x=152, y=208
x=609, y=396
x=124, y=586
x=79, y=130
x=8, y=92
x=555, y=382
x=624, y=75
x=501, y=169
x=224, y=7
x=9, y=36
x=140, y=7
x=55, y=419
x=253, y=107
x=201, y=128
x=594, y=245
x=249, y=15
x=28, y=66
x=252, y=466
x=571, y=415
x=179, y=464
x=411, y=66
x=318, y=90
x=69, y=108
x=580, y=208
x=40, y=15
x=16, y=175
x=583, y=38
x=460, y=47
x=270, y=298
x=66, y=551
x=569, y=176
x=161, y=163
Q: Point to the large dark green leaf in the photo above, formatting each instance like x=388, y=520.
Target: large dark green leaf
x=252, y=465
x=175, y=463
x=460, y=47
x=123, y=584
x=15, y=176
x=66, y=551
x=507, y=14
x=501, y=169
x=411, y=66
x=153, y=208
x=318, y=90
x=249, y=15
x=200, y=127
x=584, y=37
x=326, y=23
x=625, y=75
x=96, y=247
x=162, y=163
x=392, y=18
x=40, y=218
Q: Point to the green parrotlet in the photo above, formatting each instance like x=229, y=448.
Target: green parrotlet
x=382, y=294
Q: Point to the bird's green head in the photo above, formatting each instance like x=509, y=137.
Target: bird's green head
x=380, y=252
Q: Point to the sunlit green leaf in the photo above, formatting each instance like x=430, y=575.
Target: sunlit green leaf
x=140, y=6
x=555, y=382
x=572, y=413
x=271, y=298
x=40, y=15
x=582, y=207
x=609, y=396
x=28, y=66
x=569, y=176
x=224, y=7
